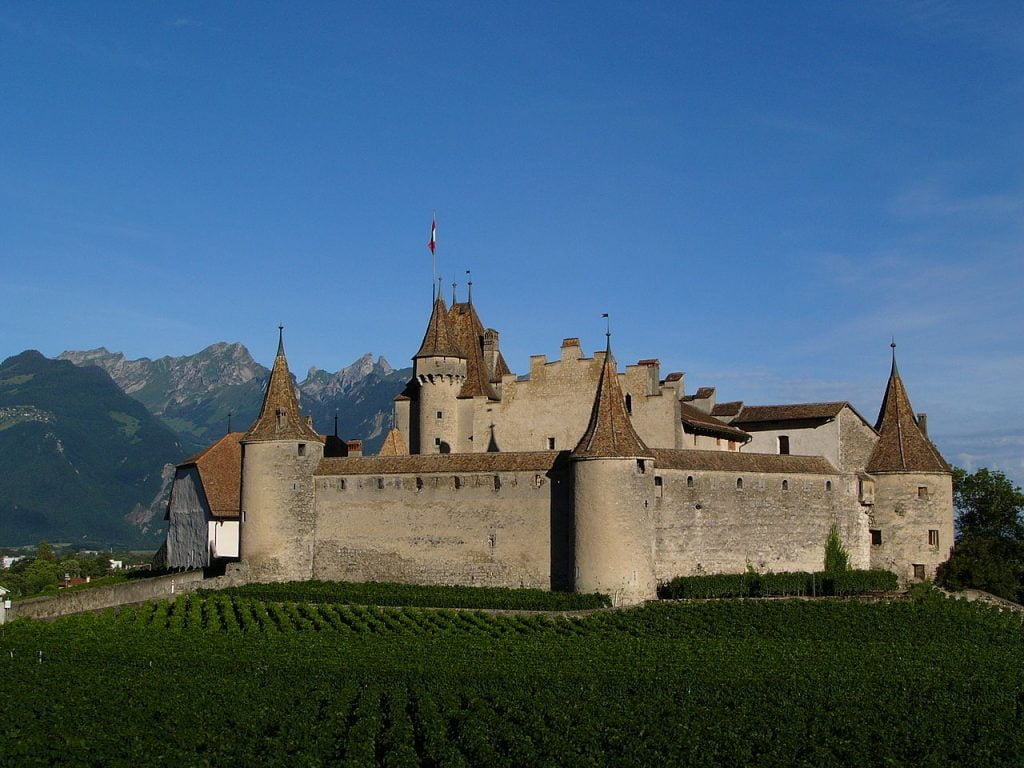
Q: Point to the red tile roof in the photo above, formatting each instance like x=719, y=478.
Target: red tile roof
x=902, y=446
x=610, y=432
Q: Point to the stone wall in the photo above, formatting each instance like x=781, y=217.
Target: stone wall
x=488, y=529
x=109, y=596
x=774, y=522
x=908, y=506
x=276, y=537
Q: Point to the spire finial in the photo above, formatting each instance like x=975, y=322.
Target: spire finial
x=892, y=345
x=280, y=340
x=439, y=279
x=229, y=422
x=453, y=292
x=469, y=283
x=607, y=330
x=335, y=422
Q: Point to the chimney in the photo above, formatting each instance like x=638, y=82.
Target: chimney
x=571, y=349
x=355, y=447
x=491, y=351
x=922, y=423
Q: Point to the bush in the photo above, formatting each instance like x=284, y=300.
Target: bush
x=784, y=584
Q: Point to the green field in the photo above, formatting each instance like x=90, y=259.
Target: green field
x=221, y=680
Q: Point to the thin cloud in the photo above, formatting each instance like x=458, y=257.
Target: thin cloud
x=931, y=201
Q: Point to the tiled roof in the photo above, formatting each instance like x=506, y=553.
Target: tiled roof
x=702, y=393
x=468, y=331
x=752, y=414
x=732, y=461
x=901, y=446
x=533, y=461
x=731, y=408
x=438, y=341
x=394, y=444
x=220, y=470
x=698, y=421
x=280, y=418
x=610, y=432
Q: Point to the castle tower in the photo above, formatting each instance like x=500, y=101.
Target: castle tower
x=911, y=525
x=613, y=492
x=279, y=453
x=440, y=372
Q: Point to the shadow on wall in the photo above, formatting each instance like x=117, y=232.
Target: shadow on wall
x=563, y=565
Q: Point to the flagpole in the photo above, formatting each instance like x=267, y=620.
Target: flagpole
x=433, y=257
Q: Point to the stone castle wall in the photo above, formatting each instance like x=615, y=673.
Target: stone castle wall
x=705, y=523
x=485, y=529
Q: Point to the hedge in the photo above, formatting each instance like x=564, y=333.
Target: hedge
x=751, y=584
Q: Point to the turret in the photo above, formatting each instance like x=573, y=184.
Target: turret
x=440, y=372
x=613, y=490
x=911, y=524
x=279, y=453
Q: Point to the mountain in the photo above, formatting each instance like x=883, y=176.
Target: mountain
x=83, y=462
x=193, y=394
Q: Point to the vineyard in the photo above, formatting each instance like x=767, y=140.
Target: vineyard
x=224, y=679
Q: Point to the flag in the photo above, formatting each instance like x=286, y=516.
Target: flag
x=433, y=235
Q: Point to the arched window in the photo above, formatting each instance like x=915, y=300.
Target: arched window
x=828, y=485
x=689, y=481
x=739, y=483
x=629, y=404
x=785, y=485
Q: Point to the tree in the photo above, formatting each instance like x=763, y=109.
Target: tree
x=836, y=557
x=988, y=505
x=989, y=553
x=45, y=552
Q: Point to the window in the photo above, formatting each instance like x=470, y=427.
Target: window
x=380, y=483
x=458, y=482
x=933, y=537
x=785, y=485
x=342, y=484
x=492, y=539
x=876, y=537
x=629, y=404
x=440, y=415
x=732, y=445
x=739, y=483
x=551, y=443
x=659, y=486
x=419, y=483
x=784, y=444
x=497, y=483
x=302, y=449
x=538, y=481
x=437, y=441
x=922, y=491
x=689, y=481
x=641, y=466
x=919, y=571
x=828, y=486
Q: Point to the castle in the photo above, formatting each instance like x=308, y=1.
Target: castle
x=575, y=476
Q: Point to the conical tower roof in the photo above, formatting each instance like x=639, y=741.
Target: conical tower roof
x=438, y=341
x=280, y=418
x=468, y=333
x=394, y=444
x=610, y=432
x=902, y=446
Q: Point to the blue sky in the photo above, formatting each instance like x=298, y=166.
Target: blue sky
x=760, y=194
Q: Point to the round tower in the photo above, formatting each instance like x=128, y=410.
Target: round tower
x=279, y=454
x=440, y=371
x=613, y=493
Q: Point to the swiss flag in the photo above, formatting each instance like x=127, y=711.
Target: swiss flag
x=433, y=235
